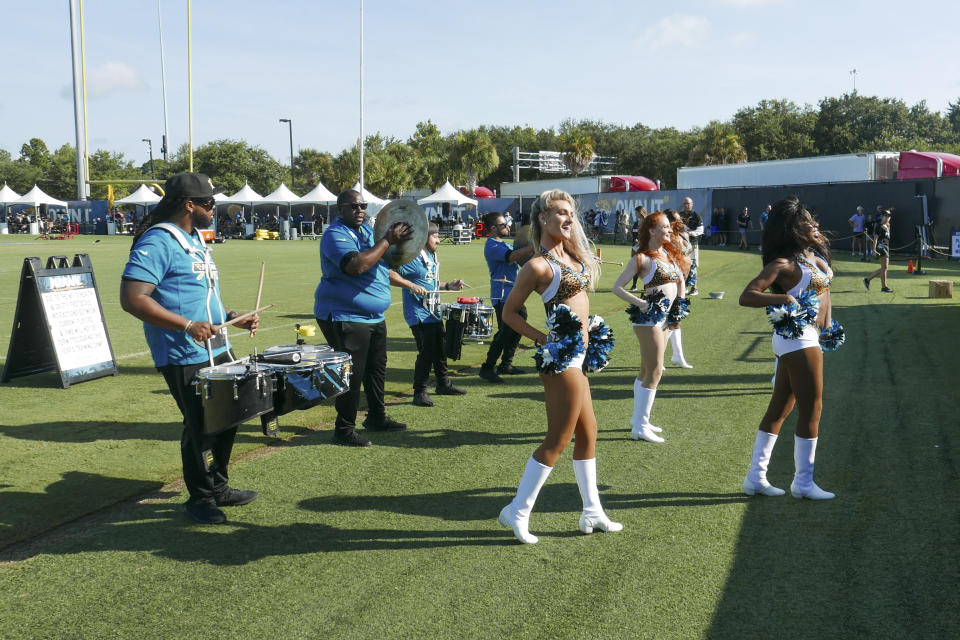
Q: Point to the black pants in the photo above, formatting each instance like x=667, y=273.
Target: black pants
x=429, y=339
x=367, y=345
x=205, y=457
x=505, y=340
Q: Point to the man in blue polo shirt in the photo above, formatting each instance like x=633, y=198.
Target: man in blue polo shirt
x=171, y=284
x=350, y=300
x=503, y=262
x=418, y=277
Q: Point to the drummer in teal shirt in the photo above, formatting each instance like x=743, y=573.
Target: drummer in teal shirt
x=171, y=284
x=353, y=293
x=418, y=277
x=503, y=262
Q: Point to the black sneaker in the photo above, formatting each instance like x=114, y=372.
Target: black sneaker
x=886, y=289
x=383, y=424
x=235, y=497
x=350, y=439
x=488, y=374
x=204, y=512
x=866, y=283
x=422, y=399
x=450, y=390
x=509, y=370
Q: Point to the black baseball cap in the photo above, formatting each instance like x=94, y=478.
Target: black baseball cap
x=189, y=185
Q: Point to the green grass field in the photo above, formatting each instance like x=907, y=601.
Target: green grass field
x=400, y=540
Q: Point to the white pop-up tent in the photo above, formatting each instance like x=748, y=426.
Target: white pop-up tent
x=144, y=195
x=280, y=195
x=369, y=197
x=7, y=197
x=246, y=196
x=447, y=194
x=36, y=197
x=319, y=195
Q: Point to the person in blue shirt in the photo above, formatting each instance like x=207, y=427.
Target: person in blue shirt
x=417, y=277
x=350, y=301
x=170, y=283
x=503, y=262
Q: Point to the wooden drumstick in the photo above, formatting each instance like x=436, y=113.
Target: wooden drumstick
x=256, y=305
x=619, y=264
x=241, y=318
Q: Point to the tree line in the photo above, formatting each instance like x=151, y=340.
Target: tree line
x=769, y=130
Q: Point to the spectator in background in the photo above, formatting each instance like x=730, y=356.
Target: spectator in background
x=881, y=248
x=857, y=222
x=599, y=224
x=743, y=224
x=694, y=229
x=507, y=218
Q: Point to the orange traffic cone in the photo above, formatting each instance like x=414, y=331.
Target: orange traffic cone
x=910, y=266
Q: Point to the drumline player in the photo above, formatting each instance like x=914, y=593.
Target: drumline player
x=418, y=277
x=503, y=263
x=171, y=284
x=350, y=301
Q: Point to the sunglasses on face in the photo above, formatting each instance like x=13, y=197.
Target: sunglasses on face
x=356, y=206
x=206, y=203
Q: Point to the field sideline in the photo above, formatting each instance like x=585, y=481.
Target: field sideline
x=400, y=540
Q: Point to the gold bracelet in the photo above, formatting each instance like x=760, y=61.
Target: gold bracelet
x=186, y=329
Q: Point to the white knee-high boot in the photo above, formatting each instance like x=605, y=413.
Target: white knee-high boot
x=516, y=515
x=756, y=480
x=642, y=406
x=593, y=516
x=803, y=486
x=676, y=342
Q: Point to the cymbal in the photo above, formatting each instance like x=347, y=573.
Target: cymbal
x=402, y=211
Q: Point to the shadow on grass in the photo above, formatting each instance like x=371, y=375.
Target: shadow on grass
x=162, y=528
x=24, y=514
x=882, y=560
x=95, y=430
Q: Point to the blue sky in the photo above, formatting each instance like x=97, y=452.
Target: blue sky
x=460, y=64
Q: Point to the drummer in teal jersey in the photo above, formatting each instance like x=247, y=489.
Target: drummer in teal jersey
x=417, y=277
x=350, y=301
x=503, y=262
x=171, y=284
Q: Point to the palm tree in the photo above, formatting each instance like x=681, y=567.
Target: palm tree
x=475, y=153
x=578, y=150
x=717, y=143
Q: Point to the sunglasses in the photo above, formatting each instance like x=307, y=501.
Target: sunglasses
x=206, y=203
x=357, y=206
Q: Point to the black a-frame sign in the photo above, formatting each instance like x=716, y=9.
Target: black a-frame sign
x=59, y=323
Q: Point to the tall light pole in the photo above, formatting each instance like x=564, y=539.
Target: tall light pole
x=853, y=72
x=153, y=174
x=290, y=124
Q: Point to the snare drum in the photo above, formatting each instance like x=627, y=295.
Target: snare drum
x=319, y=375
x=291, y=353
x=232, y=394
x=477, y=320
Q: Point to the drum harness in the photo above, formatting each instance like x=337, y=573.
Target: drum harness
x=209, y=273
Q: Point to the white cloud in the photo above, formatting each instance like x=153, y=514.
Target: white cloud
x=671, y=31
x=110, y=78
x=740, y=38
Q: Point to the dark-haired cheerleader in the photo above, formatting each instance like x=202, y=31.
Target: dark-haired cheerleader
x=796, y=270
